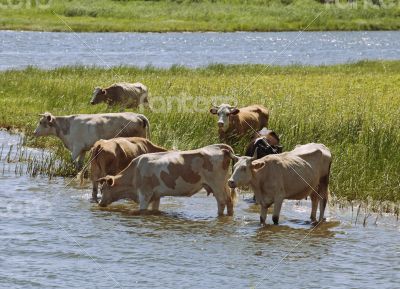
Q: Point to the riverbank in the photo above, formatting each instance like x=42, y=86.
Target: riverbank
x=164, y=16
x=353, y=109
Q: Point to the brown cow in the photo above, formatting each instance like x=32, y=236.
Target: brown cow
x=176, y=173
x=127, y=94
x=291, y=175
x=238, y=122
x=109, y=157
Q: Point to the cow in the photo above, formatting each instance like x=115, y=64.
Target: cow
x=290, y=175
x=109, y=157
x=266, y=142
x=235, y=122
x=129, y=95
x=176, y=173
x=79, y=132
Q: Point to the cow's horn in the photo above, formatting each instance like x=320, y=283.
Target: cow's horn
x=233, y=156
x=214, y=105
x=254, y=157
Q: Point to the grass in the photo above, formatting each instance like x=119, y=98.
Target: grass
x=198, y=15
x=354, y=109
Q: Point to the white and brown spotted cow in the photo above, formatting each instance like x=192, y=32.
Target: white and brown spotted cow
x=235, y=122
x=109, y=157
x=176, y=173
x=290, y=175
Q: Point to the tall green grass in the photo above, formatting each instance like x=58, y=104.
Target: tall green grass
x=354, y=109
x=199, y=15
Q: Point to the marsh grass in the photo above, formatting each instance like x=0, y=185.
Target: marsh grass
x=354, y=109
x=199, y=15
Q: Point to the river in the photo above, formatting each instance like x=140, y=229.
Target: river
x=52, y=236
x=54, y=49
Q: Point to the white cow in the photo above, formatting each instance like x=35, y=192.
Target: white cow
x=79, y=132
x=291, y=175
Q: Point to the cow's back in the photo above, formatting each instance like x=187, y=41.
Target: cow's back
x=89, y=128
x=317, y=155
x=175, y=170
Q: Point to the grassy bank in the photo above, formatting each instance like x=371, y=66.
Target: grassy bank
x=198, y=15
x=354, y=109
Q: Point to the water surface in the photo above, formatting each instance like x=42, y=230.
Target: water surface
x=53, y=49
x=51, y=236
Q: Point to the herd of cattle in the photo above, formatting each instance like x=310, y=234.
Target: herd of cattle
x=127, y=165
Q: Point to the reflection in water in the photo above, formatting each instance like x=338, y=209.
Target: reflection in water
x=53, y=236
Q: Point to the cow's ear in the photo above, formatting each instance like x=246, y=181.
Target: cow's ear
x=110, y=181
x=234, y=111
x=257, y=166
x=50, y=119
x=213, y=110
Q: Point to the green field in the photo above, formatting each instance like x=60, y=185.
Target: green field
x=198, y=15
x=354, y=109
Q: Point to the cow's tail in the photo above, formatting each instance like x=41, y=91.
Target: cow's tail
x=146, y=125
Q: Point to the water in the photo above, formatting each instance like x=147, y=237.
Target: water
x=52, y=49
x=51, y=236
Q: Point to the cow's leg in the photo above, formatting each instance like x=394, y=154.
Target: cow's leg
x=144, y=201
x=323, y=191
x=264, y=210
x=230, y=200
x=221, y=201
x=94, y=191
x=314, y=205
x=277, y=211
x=78, y=156
x=155, y=204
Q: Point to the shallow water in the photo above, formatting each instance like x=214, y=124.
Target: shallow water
x=51, y=236
x=53, y=49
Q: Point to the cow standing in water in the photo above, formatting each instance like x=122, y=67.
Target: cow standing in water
x=266, y=142
x=291, y=175
x=109, y=157
x=79, y=132
x=176, y=173
x=234, y=122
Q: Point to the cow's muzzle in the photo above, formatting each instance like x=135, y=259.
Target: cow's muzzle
x=232, y=184
x=102, y=204
x=220, y=124
x=92, y=102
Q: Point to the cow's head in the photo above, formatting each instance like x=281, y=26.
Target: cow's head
x=46, y=125
x=224, y=111
x=243, y=170
x=99, y=95
x=109, y=191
